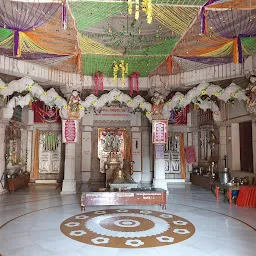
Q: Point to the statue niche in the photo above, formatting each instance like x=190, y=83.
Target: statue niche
x=113, y=161
x=111, y=149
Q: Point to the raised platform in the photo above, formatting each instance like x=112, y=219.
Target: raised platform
x=133, y=196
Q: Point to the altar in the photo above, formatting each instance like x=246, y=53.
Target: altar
x=115, y=162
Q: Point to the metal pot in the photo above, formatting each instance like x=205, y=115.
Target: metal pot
x=225, y=176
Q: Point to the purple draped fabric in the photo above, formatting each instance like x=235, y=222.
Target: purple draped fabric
x=16, y=41
x=233, y=23
x=23, y=16
x=203, y=18
x=210, y=60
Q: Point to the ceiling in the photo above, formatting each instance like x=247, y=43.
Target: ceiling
x=85, y=36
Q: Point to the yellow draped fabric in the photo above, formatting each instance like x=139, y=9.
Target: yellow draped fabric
x=27, y=45
x=225, y=50
x=89, y=46
x=194, y=43
x=175, y=18
x=7, y=43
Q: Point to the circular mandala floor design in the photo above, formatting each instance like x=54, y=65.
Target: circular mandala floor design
x=133, y=228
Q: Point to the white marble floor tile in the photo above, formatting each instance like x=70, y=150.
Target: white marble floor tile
x=32, y=218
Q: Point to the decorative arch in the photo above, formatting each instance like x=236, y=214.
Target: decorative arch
x=194, y=95
x=52, y=98
x=26, y=84
x=119, y=96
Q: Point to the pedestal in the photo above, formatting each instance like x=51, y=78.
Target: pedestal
x=69, y=182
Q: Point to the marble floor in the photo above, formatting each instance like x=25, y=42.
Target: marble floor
x=38, y=221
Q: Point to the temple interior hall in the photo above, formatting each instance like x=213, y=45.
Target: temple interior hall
x=127, y=127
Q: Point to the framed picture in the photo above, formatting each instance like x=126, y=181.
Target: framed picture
x=69, y=130
x=159, y=131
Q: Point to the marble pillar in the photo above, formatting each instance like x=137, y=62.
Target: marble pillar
x=136, y=154
x=69, y=182
x=86, y=154
x=159, y=180
x=87, y=144
x=2, y=156
x=146, y=175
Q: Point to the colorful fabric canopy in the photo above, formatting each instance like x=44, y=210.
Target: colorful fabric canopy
x=86, y=36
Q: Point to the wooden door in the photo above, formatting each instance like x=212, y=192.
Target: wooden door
x=246, y=153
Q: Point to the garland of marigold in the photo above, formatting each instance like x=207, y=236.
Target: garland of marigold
x=147, y=8
x=130, y=7
x=137, y=9
x=124, y=71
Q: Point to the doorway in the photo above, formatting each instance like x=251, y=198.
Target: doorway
x=246, y=151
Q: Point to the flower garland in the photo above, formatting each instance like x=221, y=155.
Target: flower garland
x=124, y=71
x=130, y=7
x=137, y=9
x=147, y=8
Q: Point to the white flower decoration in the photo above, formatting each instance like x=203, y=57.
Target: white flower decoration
x=134, y=243
x=165, y=239
x=181, y=231
x=180, y=222
x=100, y=240
x=145, y=212
x=100, y=212
x=122, y=210
x=77, y=233
x=81, y=217
x=72, y=224
x=166, y=216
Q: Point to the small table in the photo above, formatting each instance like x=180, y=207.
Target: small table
x=133, y=196
x=18, y=182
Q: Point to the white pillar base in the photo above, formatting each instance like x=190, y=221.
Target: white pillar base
x=3, y=191
x=68, y=187
x=136, y=177
x=160, y=184
x=146, y=177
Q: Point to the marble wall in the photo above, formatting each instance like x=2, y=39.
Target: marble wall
x=137, y=128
